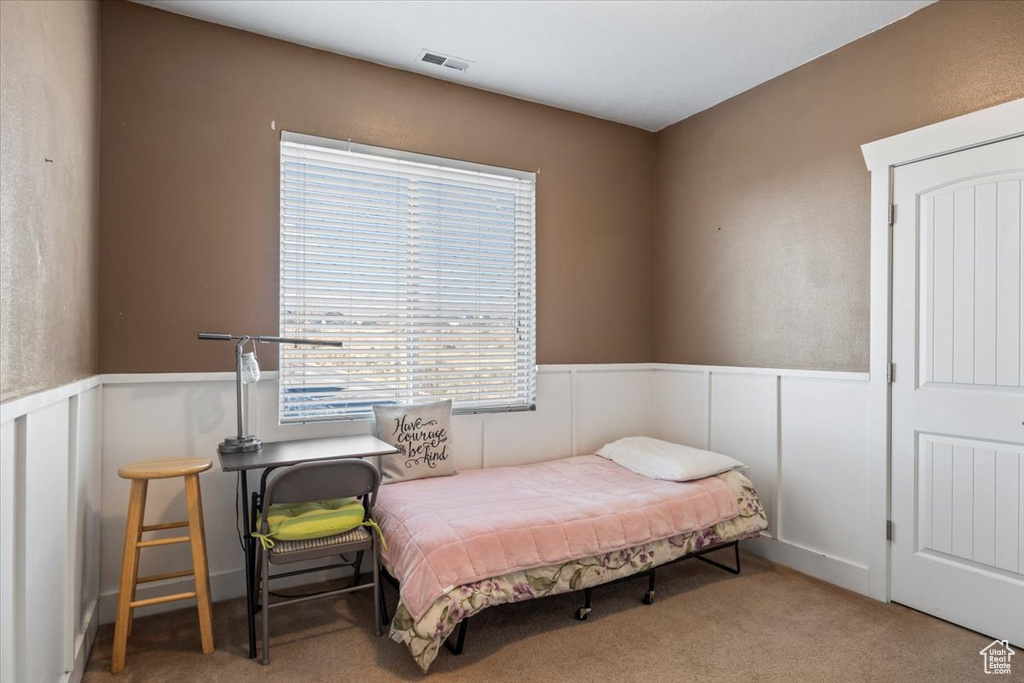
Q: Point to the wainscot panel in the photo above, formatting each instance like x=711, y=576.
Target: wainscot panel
x=50, y=463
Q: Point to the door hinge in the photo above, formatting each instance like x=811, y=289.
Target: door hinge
x=890, y=373
x=889, y=526
x=892, y=215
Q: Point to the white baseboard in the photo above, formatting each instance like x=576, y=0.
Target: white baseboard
x=83, y=644
x=840, y=572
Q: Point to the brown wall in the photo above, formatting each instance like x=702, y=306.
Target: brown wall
x=762, y=229
x=49, y=110
x=192, y=114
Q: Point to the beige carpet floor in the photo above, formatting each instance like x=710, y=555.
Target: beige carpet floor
x=768, y=624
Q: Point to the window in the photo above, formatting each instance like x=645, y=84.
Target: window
x=423, y=267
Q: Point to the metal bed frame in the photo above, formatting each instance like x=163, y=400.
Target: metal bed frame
x=583, y=611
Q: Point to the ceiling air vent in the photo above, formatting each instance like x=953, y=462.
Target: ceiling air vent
x=446, y=61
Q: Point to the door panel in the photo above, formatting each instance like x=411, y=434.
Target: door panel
x=970, y=282
x=957, y=399
x=968, y=501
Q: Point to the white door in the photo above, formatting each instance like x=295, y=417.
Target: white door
x=957, y=396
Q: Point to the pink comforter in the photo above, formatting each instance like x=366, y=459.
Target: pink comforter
x=444, y=532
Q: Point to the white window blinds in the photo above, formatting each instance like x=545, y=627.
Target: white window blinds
x=424, y=269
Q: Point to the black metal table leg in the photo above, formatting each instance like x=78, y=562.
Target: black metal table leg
x=250, y=566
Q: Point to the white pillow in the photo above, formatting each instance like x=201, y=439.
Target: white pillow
x=663, y=460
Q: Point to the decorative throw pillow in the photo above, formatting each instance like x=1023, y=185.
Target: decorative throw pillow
x=423, y=435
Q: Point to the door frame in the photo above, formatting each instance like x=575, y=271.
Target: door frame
x=882, y=157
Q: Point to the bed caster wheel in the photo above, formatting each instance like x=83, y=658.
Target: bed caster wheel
x=582, y=613
x=649, y=598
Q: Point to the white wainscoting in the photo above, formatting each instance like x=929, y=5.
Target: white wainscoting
x=50, y=461
x=803, y=434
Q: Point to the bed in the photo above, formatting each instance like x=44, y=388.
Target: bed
x=458, y=545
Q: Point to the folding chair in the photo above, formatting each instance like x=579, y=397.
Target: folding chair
x=313, y=482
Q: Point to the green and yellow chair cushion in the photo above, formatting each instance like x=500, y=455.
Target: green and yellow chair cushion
x=315, y=519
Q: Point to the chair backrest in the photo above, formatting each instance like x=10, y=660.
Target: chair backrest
x=320, y=480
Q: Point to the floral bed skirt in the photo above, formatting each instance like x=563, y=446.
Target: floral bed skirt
x=425, y=637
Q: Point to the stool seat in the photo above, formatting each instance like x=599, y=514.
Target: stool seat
x=163, y=468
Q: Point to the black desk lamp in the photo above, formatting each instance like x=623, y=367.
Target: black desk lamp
x=247, y=371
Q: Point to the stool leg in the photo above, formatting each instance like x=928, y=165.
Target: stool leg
x=197, y=534
x=138, y=554
x=129, y=572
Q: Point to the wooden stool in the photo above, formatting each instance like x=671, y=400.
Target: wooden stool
x=140, y=473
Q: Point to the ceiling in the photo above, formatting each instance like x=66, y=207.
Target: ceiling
x=643, y=63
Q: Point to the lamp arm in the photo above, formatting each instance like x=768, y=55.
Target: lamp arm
x=245, y=443
x=265, y=339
